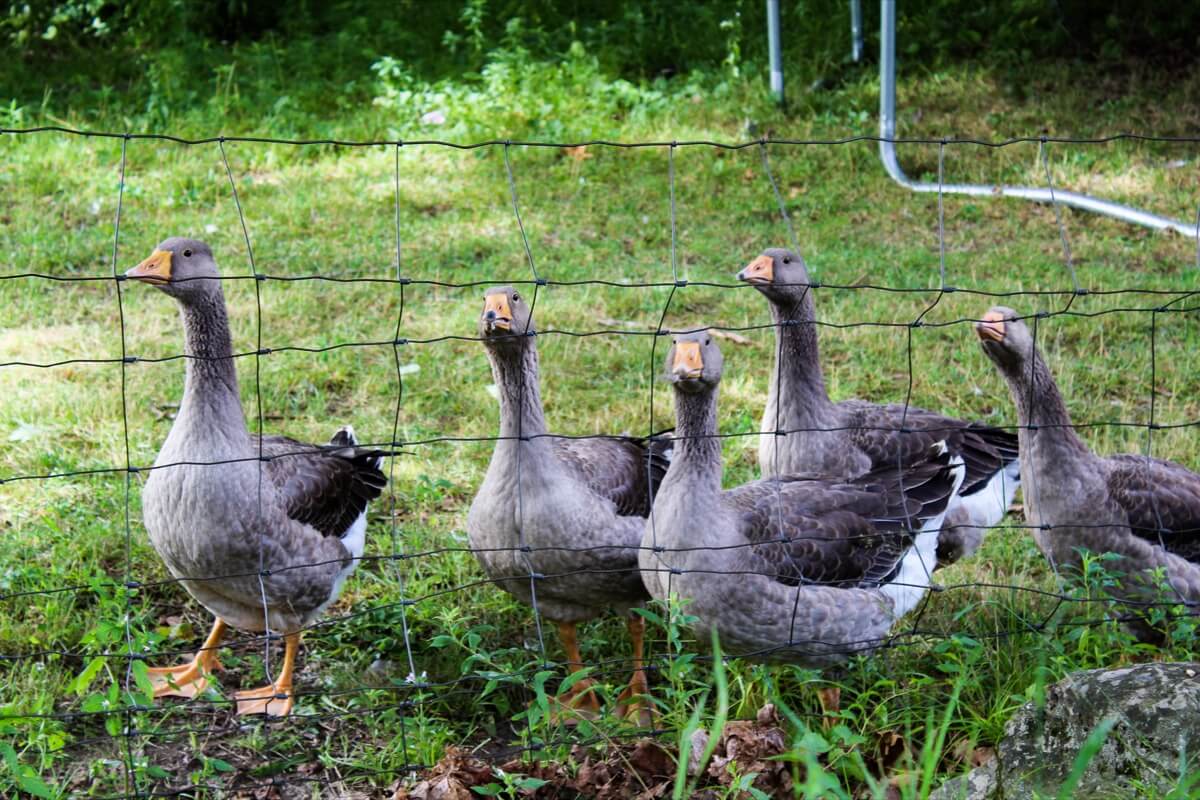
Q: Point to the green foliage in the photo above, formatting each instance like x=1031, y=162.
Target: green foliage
x=535, y=67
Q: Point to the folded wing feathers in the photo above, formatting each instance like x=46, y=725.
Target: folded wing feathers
x=985, y=451
x=659, y=449
x=327, y=486
x=1162, y=501
x=625, y=470
x=850, y=534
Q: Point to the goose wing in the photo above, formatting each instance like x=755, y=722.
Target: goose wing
x=627, y=471
x=876, y=431
x=325, y=486
x=805, y=529
x=1162, y=500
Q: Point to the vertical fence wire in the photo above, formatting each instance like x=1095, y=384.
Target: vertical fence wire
x=130, y=719
x=397, y=552
x=659, y=332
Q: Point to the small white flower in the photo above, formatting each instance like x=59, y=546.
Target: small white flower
x=210, y=228
x=433, y=118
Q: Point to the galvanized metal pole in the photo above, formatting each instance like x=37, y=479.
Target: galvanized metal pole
x=775, y=50
x=887, y=153
x=856, y=30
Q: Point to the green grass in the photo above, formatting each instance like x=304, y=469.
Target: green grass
x=330, y=211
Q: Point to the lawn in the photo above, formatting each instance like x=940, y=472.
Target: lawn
x=376, y=259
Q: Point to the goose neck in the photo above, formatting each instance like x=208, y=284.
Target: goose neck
x=210, y=386
x=797, y=381
x=1041, y=412
x=515, y=370
x=697, y=459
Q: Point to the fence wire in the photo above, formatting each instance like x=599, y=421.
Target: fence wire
x=140, y=728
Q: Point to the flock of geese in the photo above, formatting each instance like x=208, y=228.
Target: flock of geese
x=857, y=505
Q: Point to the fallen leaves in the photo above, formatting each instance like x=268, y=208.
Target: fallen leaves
x=452, y=778
x=640, y=770
x=645, y=772
x=752, y=746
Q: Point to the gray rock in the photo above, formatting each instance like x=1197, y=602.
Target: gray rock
x=1155, y=739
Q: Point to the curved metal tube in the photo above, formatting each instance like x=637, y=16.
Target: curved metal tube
x=856, y=30
x=887, y=153
x=775, y=50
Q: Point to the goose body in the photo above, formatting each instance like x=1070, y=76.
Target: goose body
x=262, y=544
x=574, y=508
x=1144, y=510
x=204, y=520
x=854, y=437
x=804, y=568
x=557, y=522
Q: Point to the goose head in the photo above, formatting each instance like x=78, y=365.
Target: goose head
x=1005, y=338
x=183, y=268
x=779, y=274
x=506, y=317
x=694, y=362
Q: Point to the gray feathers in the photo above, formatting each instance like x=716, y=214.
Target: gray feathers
x=843, y=534
x=327, y=487
x=215, y=513
x=1144, y=511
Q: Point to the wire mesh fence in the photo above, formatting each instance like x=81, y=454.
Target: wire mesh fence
x=508, y=667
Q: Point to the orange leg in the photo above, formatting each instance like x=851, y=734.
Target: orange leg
x=632, y=701
x=190, y=679
x=580, y=696
x=274, y=699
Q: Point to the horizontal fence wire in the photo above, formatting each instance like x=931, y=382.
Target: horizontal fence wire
x=133, y=729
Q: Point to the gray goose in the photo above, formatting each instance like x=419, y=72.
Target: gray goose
x=568, y=510
x=303, y=508
x=853, y=437
x=1145, y=510
x=801, y=568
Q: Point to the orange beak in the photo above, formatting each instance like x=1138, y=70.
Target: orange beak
x=688, y=363
x=760, y=270
x=496, y=313
x=991, y=327
x=154, y=270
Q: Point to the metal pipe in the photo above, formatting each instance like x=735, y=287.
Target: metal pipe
x=856, y=30
x=887, y=153
x=775, y=52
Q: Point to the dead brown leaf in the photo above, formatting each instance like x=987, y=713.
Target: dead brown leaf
x=752, y=746
x=577, y=154
x=965, y=751
x=890, y=747
x=450, y=779
x=732, y=336
x=646, y=772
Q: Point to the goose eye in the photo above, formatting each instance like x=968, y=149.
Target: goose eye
x=707, y=342
x=187, y=253
x=787, y=261
x=516, y=297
